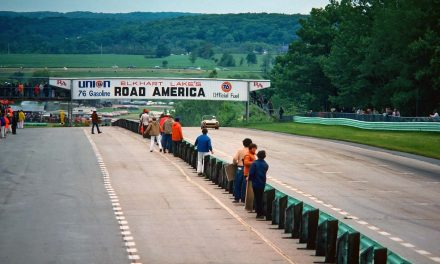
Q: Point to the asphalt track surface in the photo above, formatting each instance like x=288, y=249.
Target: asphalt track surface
x=60, y=190
x=71, y=197
x=53, y=205
x=392, y=197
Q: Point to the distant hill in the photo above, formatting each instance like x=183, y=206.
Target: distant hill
x=144, y=33
x=134, y=16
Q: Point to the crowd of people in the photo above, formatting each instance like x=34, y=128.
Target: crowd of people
x=250, y=176
x=39, y=90
x=10, y=121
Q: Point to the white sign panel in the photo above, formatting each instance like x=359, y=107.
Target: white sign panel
x=258, y=85
x=61, y=83
x=186, y=89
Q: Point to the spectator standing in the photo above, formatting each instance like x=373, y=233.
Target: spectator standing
x=167, y=130
x=239, y=181
x=95, y=121
x=36, y=90
x=162, y=120
x=257, y=175
x=8, y=127
x=41, y=87
x=62, y=117
x=176, y=135
x=247, y=162
x=14, y=122
x=144, y=121
x=435, y=115
x=153, y=130
x=20, y=89
x=270, y=106
x=204, y=146
x=2, y=125
x=281, y=113
x=21, y=118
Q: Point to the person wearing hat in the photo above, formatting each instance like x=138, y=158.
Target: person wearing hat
x=176, y=135
x=95, y=120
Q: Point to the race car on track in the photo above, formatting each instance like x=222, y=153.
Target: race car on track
x=209, y=121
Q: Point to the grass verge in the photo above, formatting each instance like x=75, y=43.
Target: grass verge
x=420, y=143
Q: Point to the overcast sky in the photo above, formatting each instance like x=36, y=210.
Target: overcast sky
x=193, y=6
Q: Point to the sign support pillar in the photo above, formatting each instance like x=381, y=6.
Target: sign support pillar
x=70, y=109
x=247, y=102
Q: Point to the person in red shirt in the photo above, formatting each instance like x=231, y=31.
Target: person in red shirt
x=176, y=135
x=162, y=120
x=247, y=162
x=36, y=90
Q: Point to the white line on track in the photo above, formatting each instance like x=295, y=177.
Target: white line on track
x=123, y=224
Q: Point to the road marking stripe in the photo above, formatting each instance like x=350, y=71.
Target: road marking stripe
x=436, y=259
x=362, y=222
x=132, y=250
x=397, y=239
x=373, y=228
x=423, y=252
x=383, y=233
x=408, y=245
x=115, y=203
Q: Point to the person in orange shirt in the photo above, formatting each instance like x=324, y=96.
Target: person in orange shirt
x=247, y=162
x=8, y=127
x=176, y=135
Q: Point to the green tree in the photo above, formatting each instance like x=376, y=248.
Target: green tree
x=251, y=58
x=162, y=50
x=164, y=64
x=227, y=60
x=193, y=57
x=213, y=74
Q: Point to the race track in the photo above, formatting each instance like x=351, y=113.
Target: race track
x=391, y=197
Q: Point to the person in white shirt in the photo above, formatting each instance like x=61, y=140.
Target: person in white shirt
x=145, y=120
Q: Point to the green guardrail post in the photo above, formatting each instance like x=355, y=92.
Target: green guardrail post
x=194, y=158
x=297, y=219
x=268, y=197
x=347, y=248
x=309, y=227
x=373, y=255
x=206, y=168
x=213, y=165
x=326, y=239
x=282, y=211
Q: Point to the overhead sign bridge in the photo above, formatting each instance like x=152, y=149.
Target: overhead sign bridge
x=160, y=88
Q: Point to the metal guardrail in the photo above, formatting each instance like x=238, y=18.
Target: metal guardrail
x=323, y=233
x=370, y=117
x=394, y=126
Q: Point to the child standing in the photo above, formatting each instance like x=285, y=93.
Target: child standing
x=257, y=175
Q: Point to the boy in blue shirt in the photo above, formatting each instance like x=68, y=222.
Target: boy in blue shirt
x=257, y=174
x=203, y=144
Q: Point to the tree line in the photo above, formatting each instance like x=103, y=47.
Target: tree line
x=364, y=54
x=138, y=33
